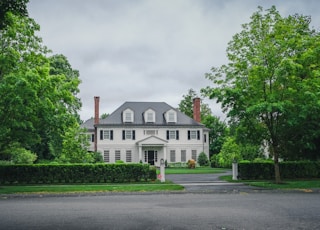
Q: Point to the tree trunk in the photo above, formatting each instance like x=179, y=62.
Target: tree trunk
x=276, y=166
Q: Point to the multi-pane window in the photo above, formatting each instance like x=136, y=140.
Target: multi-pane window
x=151, y=132
x=194, y=154
x=128, y=134
x=172, y=155
x=145, y=156
x=183, y=156
x=193, y=134
x=156, y=156
x=106, y=156
x=117, y=155
x=172, y=134
x=171, y=117
x=150, y=117
x=128, y=156
x=127, y=115
x=106, y=134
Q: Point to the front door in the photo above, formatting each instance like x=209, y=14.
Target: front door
x=151, y=157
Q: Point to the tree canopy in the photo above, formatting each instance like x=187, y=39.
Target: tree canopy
x=271, y=85
x=38, y=93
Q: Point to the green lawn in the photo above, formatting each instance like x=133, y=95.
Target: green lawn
x=198, y=170
x=286, y=184
x=133, y=187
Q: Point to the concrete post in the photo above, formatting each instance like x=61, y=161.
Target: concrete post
x=234, y=171
x=162, y=171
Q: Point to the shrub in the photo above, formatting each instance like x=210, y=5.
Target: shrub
x=119, y=162
x=203, y=159
x=20, y=155
x=288, y=170
x=191, y=164
x=75, y=173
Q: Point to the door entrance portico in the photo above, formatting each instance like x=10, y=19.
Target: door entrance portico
x=153, y=148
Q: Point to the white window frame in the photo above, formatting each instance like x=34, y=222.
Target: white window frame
x=106, y=156
x=172, y=134
x=128, y=116
x=193, y=134
x=172, y=155
x=171, y=116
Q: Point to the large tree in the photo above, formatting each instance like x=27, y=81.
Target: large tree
x=271, y=84
x=38, y=95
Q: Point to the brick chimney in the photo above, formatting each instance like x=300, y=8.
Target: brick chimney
x=196, y=109
x=96, y=121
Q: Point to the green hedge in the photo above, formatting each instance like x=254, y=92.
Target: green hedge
x=288, y=170
x=75, y=173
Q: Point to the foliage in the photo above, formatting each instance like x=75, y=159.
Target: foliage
x=289, y=170
x=186, y=105
x=39, y=104
x=97, y=157
x=217, y=133
x=19, y=155
x=229, y=153
x=191, y=164
x=73, y=173
x=75, y=147
x=203, y=159
x=271, y=84
x=17, y=7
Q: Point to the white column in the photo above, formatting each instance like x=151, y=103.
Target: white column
x=164, y=152
x=140, y=153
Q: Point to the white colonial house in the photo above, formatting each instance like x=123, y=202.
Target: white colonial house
x=147, y=132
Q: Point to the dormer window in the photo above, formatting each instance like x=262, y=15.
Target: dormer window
x=171, y=116
x=128, y=116
x=149, y=116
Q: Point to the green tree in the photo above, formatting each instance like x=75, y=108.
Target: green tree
x=75, y=147
x=17, y=7
x=217, y=133
x=229, y=153
x=38, y=95
x=271, y=84
x=186, y=105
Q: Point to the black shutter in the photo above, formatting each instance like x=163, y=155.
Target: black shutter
x=198, y=134
x=167, y=134
x=133, y=134
x=205, y=138
x=111, y=134
x=123, y=134
x=101, y=134
x=92, y=137
x=188, y=134
x=177, y=134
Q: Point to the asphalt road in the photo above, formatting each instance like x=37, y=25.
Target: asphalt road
x=163, y=211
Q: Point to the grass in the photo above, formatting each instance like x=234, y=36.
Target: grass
x=132, y=187
x=198, y=170
x=286, y=184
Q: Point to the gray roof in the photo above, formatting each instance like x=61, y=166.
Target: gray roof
x=160, y=108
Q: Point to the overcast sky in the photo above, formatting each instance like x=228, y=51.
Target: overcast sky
x=147, y=50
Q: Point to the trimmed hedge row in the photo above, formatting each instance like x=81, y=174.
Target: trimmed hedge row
x=288, y=170
x=75, y=173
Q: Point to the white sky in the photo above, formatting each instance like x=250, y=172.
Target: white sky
x=147, y=50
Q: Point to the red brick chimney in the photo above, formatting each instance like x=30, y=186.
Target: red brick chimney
x=96, y=121
x=196, y=109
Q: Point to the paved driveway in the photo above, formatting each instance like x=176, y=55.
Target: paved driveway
x=209, y=183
